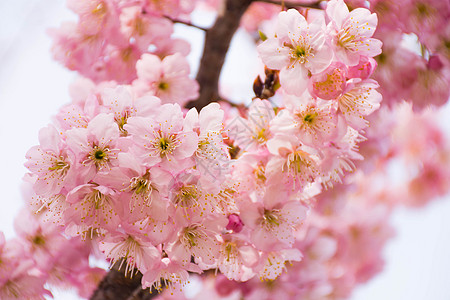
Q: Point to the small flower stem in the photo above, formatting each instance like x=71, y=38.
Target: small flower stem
x=185, y=23
x=291, y=4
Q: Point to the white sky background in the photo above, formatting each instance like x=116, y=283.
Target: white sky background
x=33, y=87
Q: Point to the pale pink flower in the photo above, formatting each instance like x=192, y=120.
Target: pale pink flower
x=42, y=241
x=352, y=32
x=143, y=28
x=135, y=249
x=293, y=164
x=167, y=79
x=250, y=172
x=172, y=8
x=122, y=102
x=166, y=47
x=425, y=18
x=92, y=209
x=431, y=86
x=19, y=278
x=273, y=263
x=298, y=49
x=159, y=230
x=211, y=156
x=236, y=258
x=22, y=284
x=257, y=13
x=51, y=162
x=95, y=147
x=120, y=64
x=79, y=50
x=94, y=15
x=142, y=188
x=78, y=115
x=163, y=138
x=314, y=122
x=188, y=194
x=339, y=156
x=197, y=236
x=252, y=133
x=274, y=221
x=359, y=100
x=168, y=274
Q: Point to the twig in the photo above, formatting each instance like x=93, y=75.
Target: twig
x=291, y=4
x=185, y=23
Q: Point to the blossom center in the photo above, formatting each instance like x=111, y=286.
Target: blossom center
x=271, y=219
x=309, y=118
x=60, y=166
x=99, y=156
x=164, y=144
x=190, y=236
x=163, y=86
x=38, y=240
x=187, y=196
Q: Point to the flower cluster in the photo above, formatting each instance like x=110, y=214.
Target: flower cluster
x=42, y=254
x=127, y=173
x=155, y=185
x=111, y=36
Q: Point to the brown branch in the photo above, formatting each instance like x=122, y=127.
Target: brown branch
x=115, y=285
x=185, y=23
x=292, y=4
x=140, y=294
x=217, y=42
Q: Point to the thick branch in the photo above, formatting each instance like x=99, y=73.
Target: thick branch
x=140, y=294
x=116, y=286
x=217, y=42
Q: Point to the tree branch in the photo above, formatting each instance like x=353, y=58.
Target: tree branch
x=293, y=4
x=115, y=285
x=185, y=23
x=217, y=42
x=140, y=294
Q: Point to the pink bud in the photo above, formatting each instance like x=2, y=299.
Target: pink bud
x=234, y=223
x=435, y=63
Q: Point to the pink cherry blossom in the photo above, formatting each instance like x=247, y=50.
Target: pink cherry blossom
x=167, y=79
x=352, y=32
x=137, y=251
x=51, y=162
x=164, y=139
x=273, y=222
x=95, y=147
x=298, y=49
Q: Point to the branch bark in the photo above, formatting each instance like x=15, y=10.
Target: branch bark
x=217, y=42
x=115, y=285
